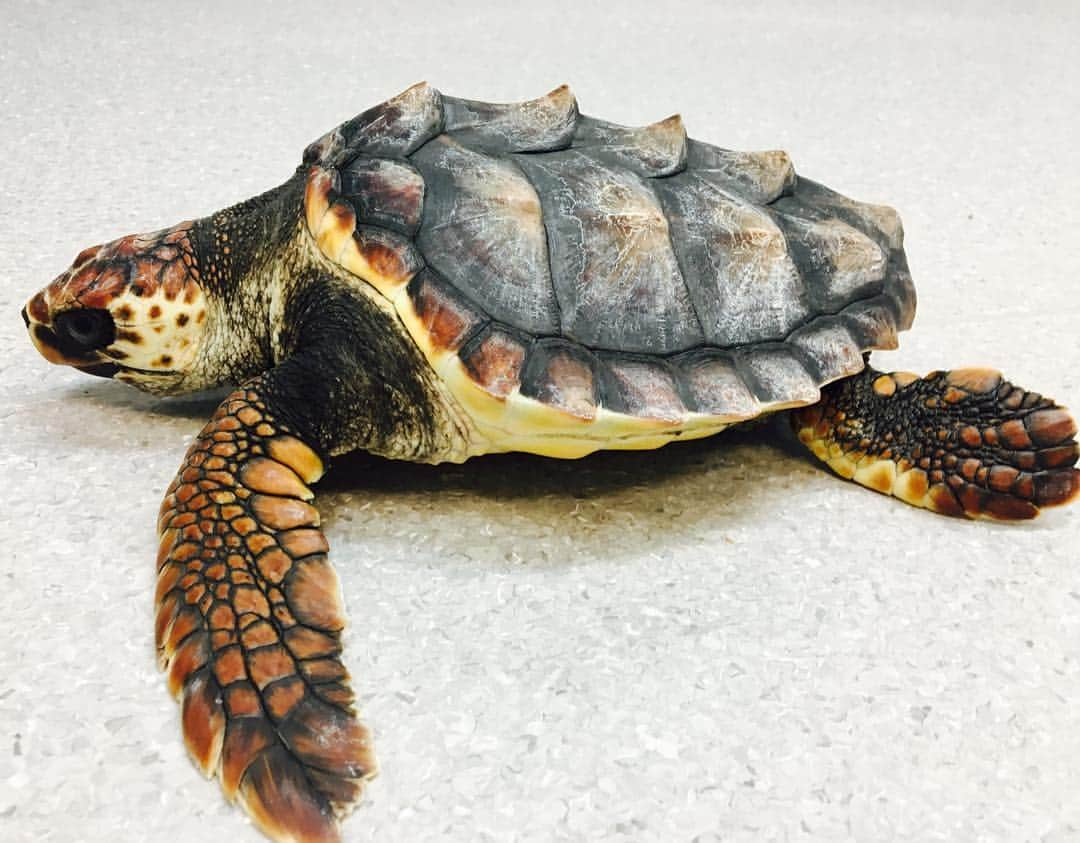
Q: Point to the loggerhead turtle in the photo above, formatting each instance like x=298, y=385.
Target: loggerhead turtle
x=442, y=278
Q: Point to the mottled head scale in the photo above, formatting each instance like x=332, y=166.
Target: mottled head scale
x=132, y=309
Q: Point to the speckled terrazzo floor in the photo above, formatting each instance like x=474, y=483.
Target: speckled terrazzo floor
x=718, y=641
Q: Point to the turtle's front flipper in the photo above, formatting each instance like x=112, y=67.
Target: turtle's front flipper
x=964, y=442
x=249, y=619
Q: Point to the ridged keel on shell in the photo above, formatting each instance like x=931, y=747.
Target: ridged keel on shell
x=649, y=151
x=578, y=284
x=537, y=125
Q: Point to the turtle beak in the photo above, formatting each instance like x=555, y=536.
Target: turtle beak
x=100, y=370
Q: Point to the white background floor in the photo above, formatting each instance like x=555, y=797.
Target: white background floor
x=718, y=641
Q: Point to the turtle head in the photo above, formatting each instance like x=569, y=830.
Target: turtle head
x=132, y=309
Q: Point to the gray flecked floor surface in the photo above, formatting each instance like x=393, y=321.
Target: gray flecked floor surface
x=718, y=641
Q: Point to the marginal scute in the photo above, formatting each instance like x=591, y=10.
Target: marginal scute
x=447, y=318
x=743, y=283
x=483, y=230
x=562, y=375
x=644, y=387
x=541, y=124
x=384, y=259
x=758, y=177
x=829, y=348
x=616, y=277
x=651, y=151
x=715, y=386
x=494, y=361
x=777, y=376
x=871, y=323
x=900, y=291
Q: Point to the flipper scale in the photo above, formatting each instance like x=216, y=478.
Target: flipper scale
x=249, y=624
x=965, y=442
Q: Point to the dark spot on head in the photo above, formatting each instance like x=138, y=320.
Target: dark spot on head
x=158, y=329
x=131, y=336
x=201, y=316
x=123, y=313
x=165, y=360
x=189, y=295
x=136, y=290
x=155, y=312
x=182, y=319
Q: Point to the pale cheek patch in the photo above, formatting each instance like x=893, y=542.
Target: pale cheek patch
x=157, y=334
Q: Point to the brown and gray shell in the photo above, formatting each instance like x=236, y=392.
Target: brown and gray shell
x=558, y=245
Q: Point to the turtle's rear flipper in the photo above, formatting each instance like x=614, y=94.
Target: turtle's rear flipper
x=965, y=442
x=248, y=625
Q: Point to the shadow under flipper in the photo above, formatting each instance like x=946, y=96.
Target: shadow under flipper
x=675, y=489
x=196, y=405
x=522, y=475
x=733, y=477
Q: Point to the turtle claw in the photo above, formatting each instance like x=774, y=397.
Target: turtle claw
x=964, y=443
x=249, y=623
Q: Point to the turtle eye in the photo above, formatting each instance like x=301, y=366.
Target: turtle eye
x=84, y=330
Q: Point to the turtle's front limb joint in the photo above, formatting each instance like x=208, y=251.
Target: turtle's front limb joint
x=249, y=618
x=963, y=443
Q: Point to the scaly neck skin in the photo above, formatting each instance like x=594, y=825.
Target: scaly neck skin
x=250, y=258
x=345, y=372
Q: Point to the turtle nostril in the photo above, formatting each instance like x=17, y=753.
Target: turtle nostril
x=84, y=330
x=25, y=318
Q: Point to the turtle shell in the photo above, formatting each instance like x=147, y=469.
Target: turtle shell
x=578, y=284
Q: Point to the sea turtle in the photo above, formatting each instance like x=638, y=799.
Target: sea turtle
x=442, y=278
